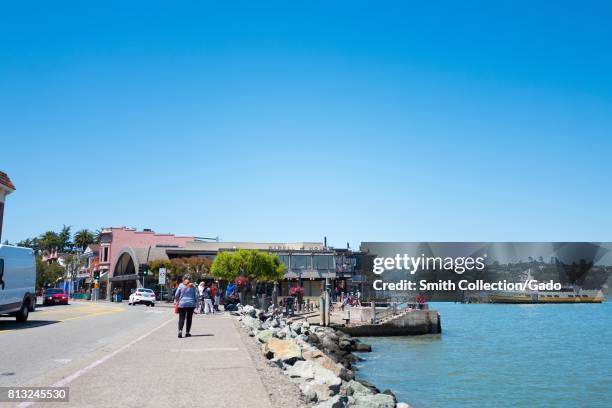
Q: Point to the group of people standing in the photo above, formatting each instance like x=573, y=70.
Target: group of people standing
x=209, y=297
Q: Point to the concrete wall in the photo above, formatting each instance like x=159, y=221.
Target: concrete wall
x=362, y=314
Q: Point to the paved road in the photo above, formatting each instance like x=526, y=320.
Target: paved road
x=118, y=355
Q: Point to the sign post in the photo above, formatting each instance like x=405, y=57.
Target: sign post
x=161, y=282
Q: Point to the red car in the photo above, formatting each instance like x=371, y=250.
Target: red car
x=55, y=296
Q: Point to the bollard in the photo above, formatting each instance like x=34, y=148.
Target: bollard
x=322, y=310
x=327, y=317
x=373, y=309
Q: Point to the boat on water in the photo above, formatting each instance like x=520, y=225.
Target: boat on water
x=564, y=295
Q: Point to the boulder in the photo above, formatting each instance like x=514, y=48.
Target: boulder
x=251, y=322
x=313, y=338
x=328, y=343
x=345, y=345
x=371, y=386
x=322, y=391
x=362, y=347
x=352, y=358
x=309, y=393
x=402, y=405
x=355, y=388
x=302, y=369
x=389, y=392
x=264, y=335
x=249, y=310
x=374, y=401
x=296, y=327
x=338, y=401
x=288, y=332
x=283, y=350
x=309, y=370
x=324, y=361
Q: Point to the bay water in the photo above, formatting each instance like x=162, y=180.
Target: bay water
x=496, y=355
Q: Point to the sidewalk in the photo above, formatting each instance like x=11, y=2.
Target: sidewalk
x=211, y=369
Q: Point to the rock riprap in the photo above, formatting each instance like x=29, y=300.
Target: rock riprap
x=318, y=359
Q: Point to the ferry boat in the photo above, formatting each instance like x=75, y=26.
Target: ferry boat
x=565, y=295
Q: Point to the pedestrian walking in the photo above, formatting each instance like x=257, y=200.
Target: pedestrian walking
x=217, y=295
x=185, y=300
x=208, y=305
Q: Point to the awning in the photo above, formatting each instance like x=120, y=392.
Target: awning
x=122, y=278
x=310, y=274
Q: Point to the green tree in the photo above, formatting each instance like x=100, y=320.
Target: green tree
x=49, y=240
x=73, y=263
x=82, y=238
x=65, y=245
x=47, y=274
x=255, y=265
x=29, y=243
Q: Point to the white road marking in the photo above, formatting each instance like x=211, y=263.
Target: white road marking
x=63, y=360
x=67, y=380
x=201, y=350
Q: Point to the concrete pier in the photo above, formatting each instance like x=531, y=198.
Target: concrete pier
x=405, y=323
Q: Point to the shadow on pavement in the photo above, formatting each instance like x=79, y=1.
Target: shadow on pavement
x=47, y=306
x=202, y=335
x=13, y=325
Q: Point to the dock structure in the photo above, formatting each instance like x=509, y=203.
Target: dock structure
x=391, y=319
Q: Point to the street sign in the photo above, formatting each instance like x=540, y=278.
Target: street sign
x=162, y=276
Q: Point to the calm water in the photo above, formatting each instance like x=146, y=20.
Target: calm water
x=502, y=356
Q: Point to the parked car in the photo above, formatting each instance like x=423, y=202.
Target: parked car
x=142, y=296
x=17, y=279
x=55, y=296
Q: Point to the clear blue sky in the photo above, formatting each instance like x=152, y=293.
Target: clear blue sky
x=289, y=121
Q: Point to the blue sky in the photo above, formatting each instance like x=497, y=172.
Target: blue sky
x=289, y=121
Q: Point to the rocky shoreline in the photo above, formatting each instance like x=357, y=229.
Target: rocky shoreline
x=319, y=360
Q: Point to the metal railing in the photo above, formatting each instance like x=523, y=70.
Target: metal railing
x=394, y=309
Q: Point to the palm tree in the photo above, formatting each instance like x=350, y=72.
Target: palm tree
x=64, y=237
x=83, y=238
x=49, y=241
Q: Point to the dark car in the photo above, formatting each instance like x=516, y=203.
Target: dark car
x=55, y=296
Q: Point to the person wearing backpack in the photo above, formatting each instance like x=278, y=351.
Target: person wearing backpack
x=186, y=301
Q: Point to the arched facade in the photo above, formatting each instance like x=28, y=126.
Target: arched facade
x=125, y=278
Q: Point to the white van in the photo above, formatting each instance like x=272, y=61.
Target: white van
x=17, y=282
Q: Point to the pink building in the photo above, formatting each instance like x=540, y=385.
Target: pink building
x=123, y=250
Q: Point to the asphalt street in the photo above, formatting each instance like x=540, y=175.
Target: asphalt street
x=129, y=356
